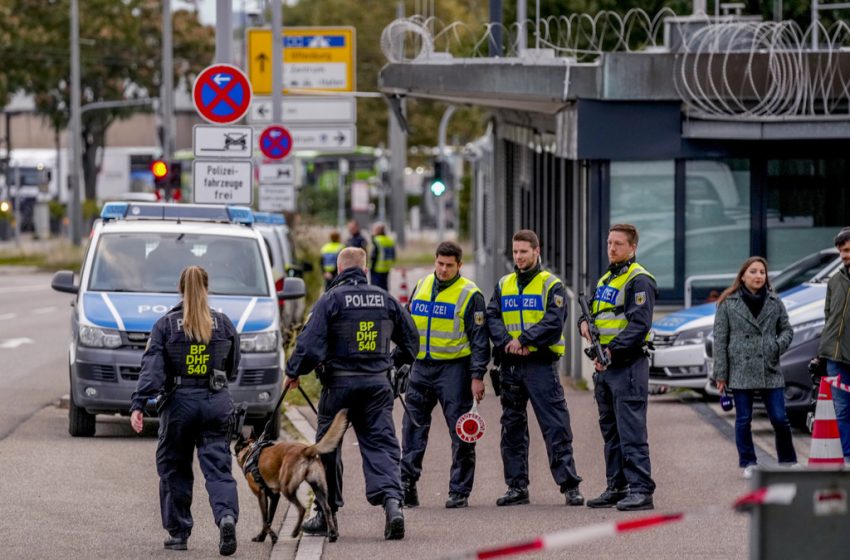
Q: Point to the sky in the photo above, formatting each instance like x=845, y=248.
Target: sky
x=208, y=7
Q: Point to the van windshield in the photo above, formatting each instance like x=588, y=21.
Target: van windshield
x=152, y=262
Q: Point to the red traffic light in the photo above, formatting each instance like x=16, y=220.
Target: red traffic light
x=159, y=169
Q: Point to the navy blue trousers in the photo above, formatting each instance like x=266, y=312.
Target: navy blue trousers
x=537, y=381
x=369, y=401
x=450, y=385
x=194, y=418
x=622, y=397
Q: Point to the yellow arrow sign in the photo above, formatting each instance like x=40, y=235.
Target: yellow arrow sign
x=315, y=59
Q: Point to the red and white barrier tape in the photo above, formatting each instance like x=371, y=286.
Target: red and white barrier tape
x=838, y=384
x=775, y=494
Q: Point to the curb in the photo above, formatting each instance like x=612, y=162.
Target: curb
x=302, y=547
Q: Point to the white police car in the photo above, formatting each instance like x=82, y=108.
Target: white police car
x=129, y=280
x=678, y=357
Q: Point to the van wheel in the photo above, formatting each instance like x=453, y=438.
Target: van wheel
x=260, y=424
x=80, y=422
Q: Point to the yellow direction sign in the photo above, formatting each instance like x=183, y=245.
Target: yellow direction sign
x=314, y=59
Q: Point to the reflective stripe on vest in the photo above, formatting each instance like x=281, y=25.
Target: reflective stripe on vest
x=330, y=251
x=385, y=247
x=439, y=318
x=522, y=310
x=609, y=302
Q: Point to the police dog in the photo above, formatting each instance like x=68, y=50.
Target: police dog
x=284, y=466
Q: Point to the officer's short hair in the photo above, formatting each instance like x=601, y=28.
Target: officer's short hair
x=842, y=237
x=351, y=257
x=630, y=231
x=529, y=236
x=335, y=237
x=450, y=249
x=378, y=228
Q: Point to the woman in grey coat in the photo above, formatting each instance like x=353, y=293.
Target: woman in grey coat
x=751, y=331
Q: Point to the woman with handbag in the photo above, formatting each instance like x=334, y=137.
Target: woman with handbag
x=751, y=331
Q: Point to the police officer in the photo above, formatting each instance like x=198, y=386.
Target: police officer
x=526, y=321
x=383, y=256
x=349, y=334
x=191, y=352
x=454, y=351
x=330, y=252
x=356, y=238
x=622, y=308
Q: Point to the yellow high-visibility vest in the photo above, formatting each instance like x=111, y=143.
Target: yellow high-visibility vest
x=522, y=310
x=385, y=247
x=330, y=251
x=439, y=318
x=609, y=302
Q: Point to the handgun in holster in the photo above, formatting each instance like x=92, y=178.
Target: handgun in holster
x=322, y=374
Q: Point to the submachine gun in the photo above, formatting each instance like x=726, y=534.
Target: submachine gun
x=595, y=352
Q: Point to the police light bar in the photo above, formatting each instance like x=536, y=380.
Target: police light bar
x=269, y=218
x=190, y=212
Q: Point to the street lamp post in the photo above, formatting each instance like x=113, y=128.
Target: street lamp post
x=75, y=128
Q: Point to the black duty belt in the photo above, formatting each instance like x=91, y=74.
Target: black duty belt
x=352, y=373
x=192, y=382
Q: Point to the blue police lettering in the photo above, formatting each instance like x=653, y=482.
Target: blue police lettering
x=364, y=300
x=440, y=310
x=421, y=308
x=606, y=294
x=509, y=302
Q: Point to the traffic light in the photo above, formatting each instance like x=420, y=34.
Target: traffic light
x=167, y=179
x=175, y=180
x=440, y=181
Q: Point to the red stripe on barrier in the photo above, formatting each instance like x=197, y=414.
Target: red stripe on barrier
x=825, y=429
x=638, y=524
x=826, y=460
x=512, y=549
x=756, y=497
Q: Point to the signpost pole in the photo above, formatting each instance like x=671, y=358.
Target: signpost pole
x=277, y=62
x=340, y=208
x=224, y=31
x=398, y=159
x=167, y=95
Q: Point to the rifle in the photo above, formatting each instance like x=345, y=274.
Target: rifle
x=595, y=352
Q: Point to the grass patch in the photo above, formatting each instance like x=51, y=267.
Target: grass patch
x=51, y=256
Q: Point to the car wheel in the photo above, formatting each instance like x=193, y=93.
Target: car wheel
x=80, y=422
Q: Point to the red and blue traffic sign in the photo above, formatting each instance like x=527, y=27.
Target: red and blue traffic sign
x=222, y=94
x=275, y=142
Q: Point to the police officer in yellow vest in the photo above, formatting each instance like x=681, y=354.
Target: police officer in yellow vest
x=383, y=256
x=526, y=319
x=454, y=350
x=622, y=308
x=330, y=251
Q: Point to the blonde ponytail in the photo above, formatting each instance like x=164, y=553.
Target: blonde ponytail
x=197, y=321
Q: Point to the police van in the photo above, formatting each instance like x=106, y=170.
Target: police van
x=129, y=280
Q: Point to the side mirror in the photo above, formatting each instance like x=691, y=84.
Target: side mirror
x=63, y=281
x=293, y=288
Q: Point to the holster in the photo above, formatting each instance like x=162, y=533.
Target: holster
x=218, y=380
x=496, y=380
x=322, y=374
x=162, y=399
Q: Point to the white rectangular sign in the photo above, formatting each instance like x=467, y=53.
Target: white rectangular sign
x=277, y=173
x=222, y=182
x=342, y=138
x=327, y=75
x=222, y=141
x=307, y=110
x=276, y=198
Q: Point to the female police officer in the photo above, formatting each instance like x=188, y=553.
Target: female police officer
x=190, y=353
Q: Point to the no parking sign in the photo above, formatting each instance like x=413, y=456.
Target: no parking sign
x=222, y=94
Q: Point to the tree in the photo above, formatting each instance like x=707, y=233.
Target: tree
x=120, y=58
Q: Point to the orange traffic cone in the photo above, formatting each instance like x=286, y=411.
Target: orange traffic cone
x=826, y=444
x=403, y=291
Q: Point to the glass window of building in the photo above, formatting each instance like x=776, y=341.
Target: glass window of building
x=807, y=203
x=717, y=216
x=642, y=194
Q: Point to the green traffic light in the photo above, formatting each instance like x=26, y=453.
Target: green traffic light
x=438, y=188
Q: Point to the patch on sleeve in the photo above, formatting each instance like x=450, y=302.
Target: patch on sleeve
x=479, y=318
x=640, y=298
x=559, y=301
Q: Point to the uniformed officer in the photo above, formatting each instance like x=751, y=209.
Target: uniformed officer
x=383, y=256
x=355, y=236
x=454, y=351
x=526, y=321
x=622, y=308
x=330, y=252
x=349, y=334
x=191, y=352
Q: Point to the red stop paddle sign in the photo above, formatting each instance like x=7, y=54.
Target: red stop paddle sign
x=470, y=426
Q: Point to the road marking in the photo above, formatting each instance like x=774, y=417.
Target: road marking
x=15, y=342
x=5, y=316
x=18, y=289
x=43, y=310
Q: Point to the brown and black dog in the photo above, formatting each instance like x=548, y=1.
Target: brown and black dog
x=284, y=466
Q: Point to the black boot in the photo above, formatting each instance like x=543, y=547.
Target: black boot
x=394, y=528
x=574, y=497
x=456, y=501
x=227, y=530
x=636, y=502
x=411, y=496
x=316, y=525
x=513, y=497
x=176, y=543
x=608, y=498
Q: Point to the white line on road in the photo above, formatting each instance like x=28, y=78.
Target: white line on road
x=43, y=310
x=15, y=342
x=6, y=316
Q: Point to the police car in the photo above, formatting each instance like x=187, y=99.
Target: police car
x=129, y=280
x=678, y=357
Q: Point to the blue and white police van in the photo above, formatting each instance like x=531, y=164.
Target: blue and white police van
x=129, y=280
